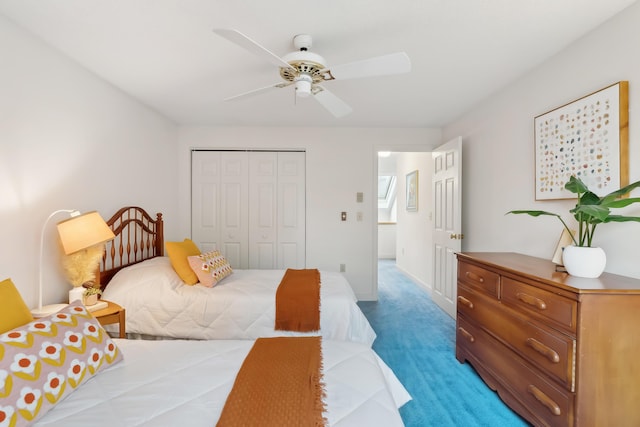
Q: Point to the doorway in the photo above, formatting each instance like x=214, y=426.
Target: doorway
x=403, y=230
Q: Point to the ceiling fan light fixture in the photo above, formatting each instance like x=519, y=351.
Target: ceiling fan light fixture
x=303, y=85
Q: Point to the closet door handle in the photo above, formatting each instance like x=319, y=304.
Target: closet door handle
x=544, y=399
x=462, y=300
x=531, y=300
x=466, y=334
x=543, y=350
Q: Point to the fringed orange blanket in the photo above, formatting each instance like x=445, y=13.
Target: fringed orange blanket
x=278, y=385
x=298, y=301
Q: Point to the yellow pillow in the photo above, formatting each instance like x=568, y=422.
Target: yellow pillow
x=14, y=311
x=178, y=253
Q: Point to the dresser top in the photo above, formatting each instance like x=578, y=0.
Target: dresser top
x=544, y=270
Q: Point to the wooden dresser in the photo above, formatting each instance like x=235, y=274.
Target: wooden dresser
x=559, y=350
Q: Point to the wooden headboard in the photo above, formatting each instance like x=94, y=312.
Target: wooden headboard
x=138, y=237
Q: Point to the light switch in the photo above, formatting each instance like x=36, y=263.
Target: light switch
x=359, y=197
x=343, y=216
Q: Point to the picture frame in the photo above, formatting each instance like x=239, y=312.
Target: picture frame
x=588, y=138
x=412, y=191
x=564, y=241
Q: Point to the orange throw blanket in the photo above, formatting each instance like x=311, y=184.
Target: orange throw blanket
x=298, y=301
x=278, y=385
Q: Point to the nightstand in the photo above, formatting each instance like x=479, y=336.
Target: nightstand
x=112, y=314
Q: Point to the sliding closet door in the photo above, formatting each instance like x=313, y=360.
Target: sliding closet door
x=250, y=206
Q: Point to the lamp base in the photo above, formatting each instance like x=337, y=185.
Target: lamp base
x=47, y=310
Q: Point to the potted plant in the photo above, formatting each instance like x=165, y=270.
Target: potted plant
x=91, y=293
x=590, y=211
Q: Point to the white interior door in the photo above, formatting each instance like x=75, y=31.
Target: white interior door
x=234, y=211
x=263, y=229
x=291, y=210
x=447, y=222
x=205, y=200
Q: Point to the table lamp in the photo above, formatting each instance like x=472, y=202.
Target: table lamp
x=79, y=232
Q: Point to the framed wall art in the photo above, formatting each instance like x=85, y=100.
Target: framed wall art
x=412, y=191
x=588, y=138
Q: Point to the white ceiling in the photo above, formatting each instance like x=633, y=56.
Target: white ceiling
x=163, y=52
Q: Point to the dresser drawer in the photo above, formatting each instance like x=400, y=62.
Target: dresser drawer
x=541, y=303
x=545, y=403
x=480, y=278
x=551, y=351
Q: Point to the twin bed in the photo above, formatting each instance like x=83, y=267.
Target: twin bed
x=177, y=381
x=241, y=306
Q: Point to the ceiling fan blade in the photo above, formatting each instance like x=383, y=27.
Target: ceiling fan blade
x=394, y=63
x=332, y=103
x=245, y=42
x=258, y=91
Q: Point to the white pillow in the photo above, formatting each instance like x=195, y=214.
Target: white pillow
x=155, y=275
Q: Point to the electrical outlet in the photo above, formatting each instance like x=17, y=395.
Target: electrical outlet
x=358, y=216
x=343, y=268
x=343, y=216
x=359, y=197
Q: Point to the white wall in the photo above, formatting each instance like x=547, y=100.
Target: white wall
x=68, y=140
x=415, y=229
x=497, y=136
x=340, y=163
x=387, y=237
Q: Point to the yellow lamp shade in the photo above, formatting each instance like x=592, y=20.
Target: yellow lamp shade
x=83, y=231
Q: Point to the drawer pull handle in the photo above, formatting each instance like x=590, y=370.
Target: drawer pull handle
x=462, y=300
x=475, y=277
x=543, y=350
x=466, y=334
x=544, y=399
x=528, y=299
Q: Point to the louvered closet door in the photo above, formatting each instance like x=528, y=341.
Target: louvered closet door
x=251, y=206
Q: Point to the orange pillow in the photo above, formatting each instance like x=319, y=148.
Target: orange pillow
x=178, y=253
x=14, y=311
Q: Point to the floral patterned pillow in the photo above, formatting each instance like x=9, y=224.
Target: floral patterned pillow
x=45, y=360
x=210, y=267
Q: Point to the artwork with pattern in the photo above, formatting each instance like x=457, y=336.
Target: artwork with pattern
x=586, y=138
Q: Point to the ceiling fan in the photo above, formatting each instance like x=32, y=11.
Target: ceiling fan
x=307, y=71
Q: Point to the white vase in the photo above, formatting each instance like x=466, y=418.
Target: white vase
x=76, y=294
x=584, y=261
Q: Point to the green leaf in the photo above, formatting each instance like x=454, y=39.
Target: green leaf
x=624, y=190
x=621, y=203
x=620, y=218
x=576, y=186
x=596, y=211
x=533, y=213
x=589, y=198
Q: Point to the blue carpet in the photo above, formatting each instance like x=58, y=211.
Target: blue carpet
x=417, y=340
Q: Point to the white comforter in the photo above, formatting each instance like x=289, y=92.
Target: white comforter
x=186, y=383
x=242, y=306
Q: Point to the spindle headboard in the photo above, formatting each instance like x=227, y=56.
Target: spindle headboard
x=138, y=237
